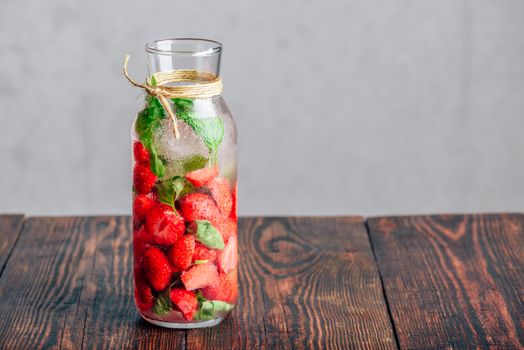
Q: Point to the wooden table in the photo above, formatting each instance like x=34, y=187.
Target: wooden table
x=447, y=281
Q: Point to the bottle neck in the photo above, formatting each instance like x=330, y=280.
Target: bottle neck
x=184, y=54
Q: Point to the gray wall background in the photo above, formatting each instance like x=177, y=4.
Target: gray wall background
x=343, y=107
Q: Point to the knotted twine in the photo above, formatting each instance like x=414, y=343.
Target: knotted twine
x=204, y=85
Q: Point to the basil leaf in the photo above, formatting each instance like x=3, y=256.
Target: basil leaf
x=162, y=303
x=147, y=122
x=207, y=309
x=172, y=189
x=194, y=163
x=210, y=130
x=208, y=235
x=219, y=305
x=156, y=163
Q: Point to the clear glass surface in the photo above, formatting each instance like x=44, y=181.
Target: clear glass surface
x=184, y=199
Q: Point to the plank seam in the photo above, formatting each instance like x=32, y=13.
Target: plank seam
x=15, y=243
x=388, y=307
x=88, y=276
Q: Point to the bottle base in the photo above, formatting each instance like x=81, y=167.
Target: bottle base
x=185, y=325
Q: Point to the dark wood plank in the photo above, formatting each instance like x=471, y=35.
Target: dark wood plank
x=68, y=285
x=453, y=280
x=305, y=283
x=10, y=226
x=113, y=322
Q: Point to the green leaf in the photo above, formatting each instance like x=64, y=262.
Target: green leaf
x=208, y=235
x=207, y=309
x=200, y=297
x=147, y=122
x=210, y=130
x=172, y=189
x=194, y=163
x=162, y=303
x=157, y=164
x=199, y=262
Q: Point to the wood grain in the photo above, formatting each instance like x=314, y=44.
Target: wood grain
x=68, y=285
x=305, y=283
x=453, y=281
x=10, y=226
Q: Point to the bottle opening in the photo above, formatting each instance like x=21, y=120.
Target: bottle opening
x=202, y=55
x=184, y=46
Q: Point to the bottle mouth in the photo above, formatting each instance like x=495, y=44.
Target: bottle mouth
x=184, y=46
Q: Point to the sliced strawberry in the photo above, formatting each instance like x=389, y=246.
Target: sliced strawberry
x=164, y=225
x=228, y=257
x=200, y=206
x=221, y=193
x=200, y=276
x=186, y=301
x=141, y=206
x=140, y=152
x=143, y=178
x=141, y=241
x=227, y=228
x=202, y=176
x=143, y=295
x=181, y=253
x=234, y=194
x=226, y=289
x=203, y=253
x=157, y=268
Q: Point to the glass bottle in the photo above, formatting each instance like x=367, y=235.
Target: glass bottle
x=184, y=197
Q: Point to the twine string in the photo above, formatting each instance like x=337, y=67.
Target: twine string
x=203, y=85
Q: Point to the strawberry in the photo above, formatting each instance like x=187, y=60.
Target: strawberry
x=141, y=206
x=202, y=176
x=227, y=228
x=143, y=295
x=164, y=224
x=200, y=206
x=228, y=257
x=140, y=152
x=220, y=192
x=181, y=253
x=200, y=276
x=234, y=194
x=226, y=289
x=203, y=253
x=143, y=178
x=186, y=301
x=141, y=241
x=157, y=268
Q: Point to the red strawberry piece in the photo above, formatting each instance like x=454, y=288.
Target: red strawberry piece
x=181, y=253
x=228, y=257
x=200, y=276
x=164, y=224
x=186, y=301
x=203, y=253
x=144, y=298
x=141, y=241
x=200, y=206
x=157, y=268
x=143, y=178
x=226, y=289
x=234, y=195
x=227, y=228
x=140, y=152
x=141, y=206
x=202, y=176
x=220, y=192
